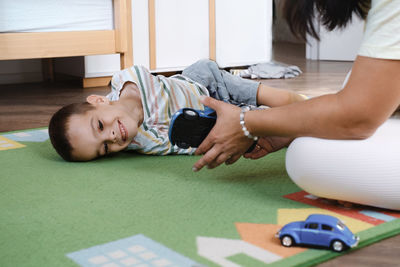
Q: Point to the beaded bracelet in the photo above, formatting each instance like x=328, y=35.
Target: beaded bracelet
x=246, y=132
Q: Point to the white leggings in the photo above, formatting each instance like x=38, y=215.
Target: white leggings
x=360, y=171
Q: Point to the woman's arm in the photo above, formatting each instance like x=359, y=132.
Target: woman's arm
x=371, y=95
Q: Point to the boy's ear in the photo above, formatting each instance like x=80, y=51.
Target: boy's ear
x=97, y=99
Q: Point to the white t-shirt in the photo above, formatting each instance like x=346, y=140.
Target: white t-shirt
x=382, y=30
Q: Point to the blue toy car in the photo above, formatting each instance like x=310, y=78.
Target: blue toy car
x=189, y=127
x=318, y=230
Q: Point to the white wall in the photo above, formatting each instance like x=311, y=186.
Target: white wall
x=340, y=44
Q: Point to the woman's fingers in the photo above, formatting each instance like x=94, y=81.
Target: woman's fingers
x=223, y=157
x=208, y=142
x=210, y=102
x=206, y=159
x=256, y=155
x=226, y=139
x=267, y=145
x=258, y=152
x=213, y=158
x=206, y=145
x=232, y=159
x=216, y=156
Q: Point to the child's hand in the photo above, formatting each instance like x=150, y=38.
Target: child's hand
x=266, y=145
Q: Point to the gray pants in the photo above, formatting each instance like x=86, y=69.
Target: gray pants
x=221, y=84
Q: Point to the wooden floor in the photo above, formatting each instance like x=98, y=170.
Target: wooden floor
x=25, y=106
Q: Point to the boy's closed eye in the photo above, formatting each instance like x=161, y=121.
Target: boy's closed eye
x=105, y=149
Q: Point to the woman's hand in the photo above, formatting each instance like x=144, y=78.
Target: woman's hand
x=268, y=144
x=226, y=141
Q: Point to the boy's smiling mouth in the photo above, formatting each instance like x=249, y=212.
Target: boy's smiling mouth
x=123, y=131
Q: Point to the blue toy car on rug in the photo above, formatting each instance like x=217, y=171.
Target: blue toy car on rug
x=318, y=230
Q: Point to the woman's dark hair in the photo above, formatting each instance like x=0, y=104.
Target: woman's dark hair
x=58, y=128
x=300, y=14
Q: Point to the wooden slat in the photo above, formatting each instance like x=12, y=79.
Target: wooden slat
x=126, y=58
x=96, y=82
x=120, y=25
x=152, y=34
x=56, y=44
x=212, y=40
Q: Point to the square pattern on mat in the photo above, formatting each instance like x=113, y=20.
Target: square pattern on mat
x=40, y=135
x=137, y=251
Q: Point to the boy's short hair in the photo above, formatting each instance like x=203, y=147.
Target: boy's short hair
x=58, y=127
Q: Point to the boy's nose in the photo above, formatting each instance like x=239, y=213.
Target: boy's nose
x=113, y=136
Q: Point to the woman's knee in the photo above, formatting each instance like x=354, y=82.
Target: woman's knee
x=360, y=171
x=298, y=162
x=323, y=167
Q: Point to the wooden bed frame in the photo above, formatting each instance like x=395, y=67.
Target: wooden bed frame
x=49, y=45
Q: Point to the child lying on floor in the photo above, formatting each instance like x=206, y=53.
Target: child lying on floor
x=137, y=112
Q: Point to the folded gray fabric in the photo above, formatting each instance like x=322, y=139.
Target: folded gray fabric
x=268, y=70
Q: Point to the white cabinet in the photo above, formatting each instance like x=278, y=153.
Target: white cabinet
x=169, y=35
x=180, y=34
x=243, y=32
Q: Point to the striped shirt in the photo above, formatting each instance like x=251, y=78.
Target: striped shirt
x=161, y=98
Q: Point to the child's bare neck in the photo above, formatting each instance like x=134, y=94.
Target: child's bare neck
x=129, y=90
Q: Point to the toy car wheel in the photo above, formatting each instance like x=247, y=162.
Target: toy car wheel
x=190, y=114
x=287, y=241
x=183, y=145
x=338, y=246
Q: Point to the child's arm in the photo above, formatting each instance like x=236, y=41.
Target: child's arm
x=274, y=97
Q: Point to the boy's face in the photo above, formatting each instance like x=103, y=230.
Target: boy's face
x=107, y=128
